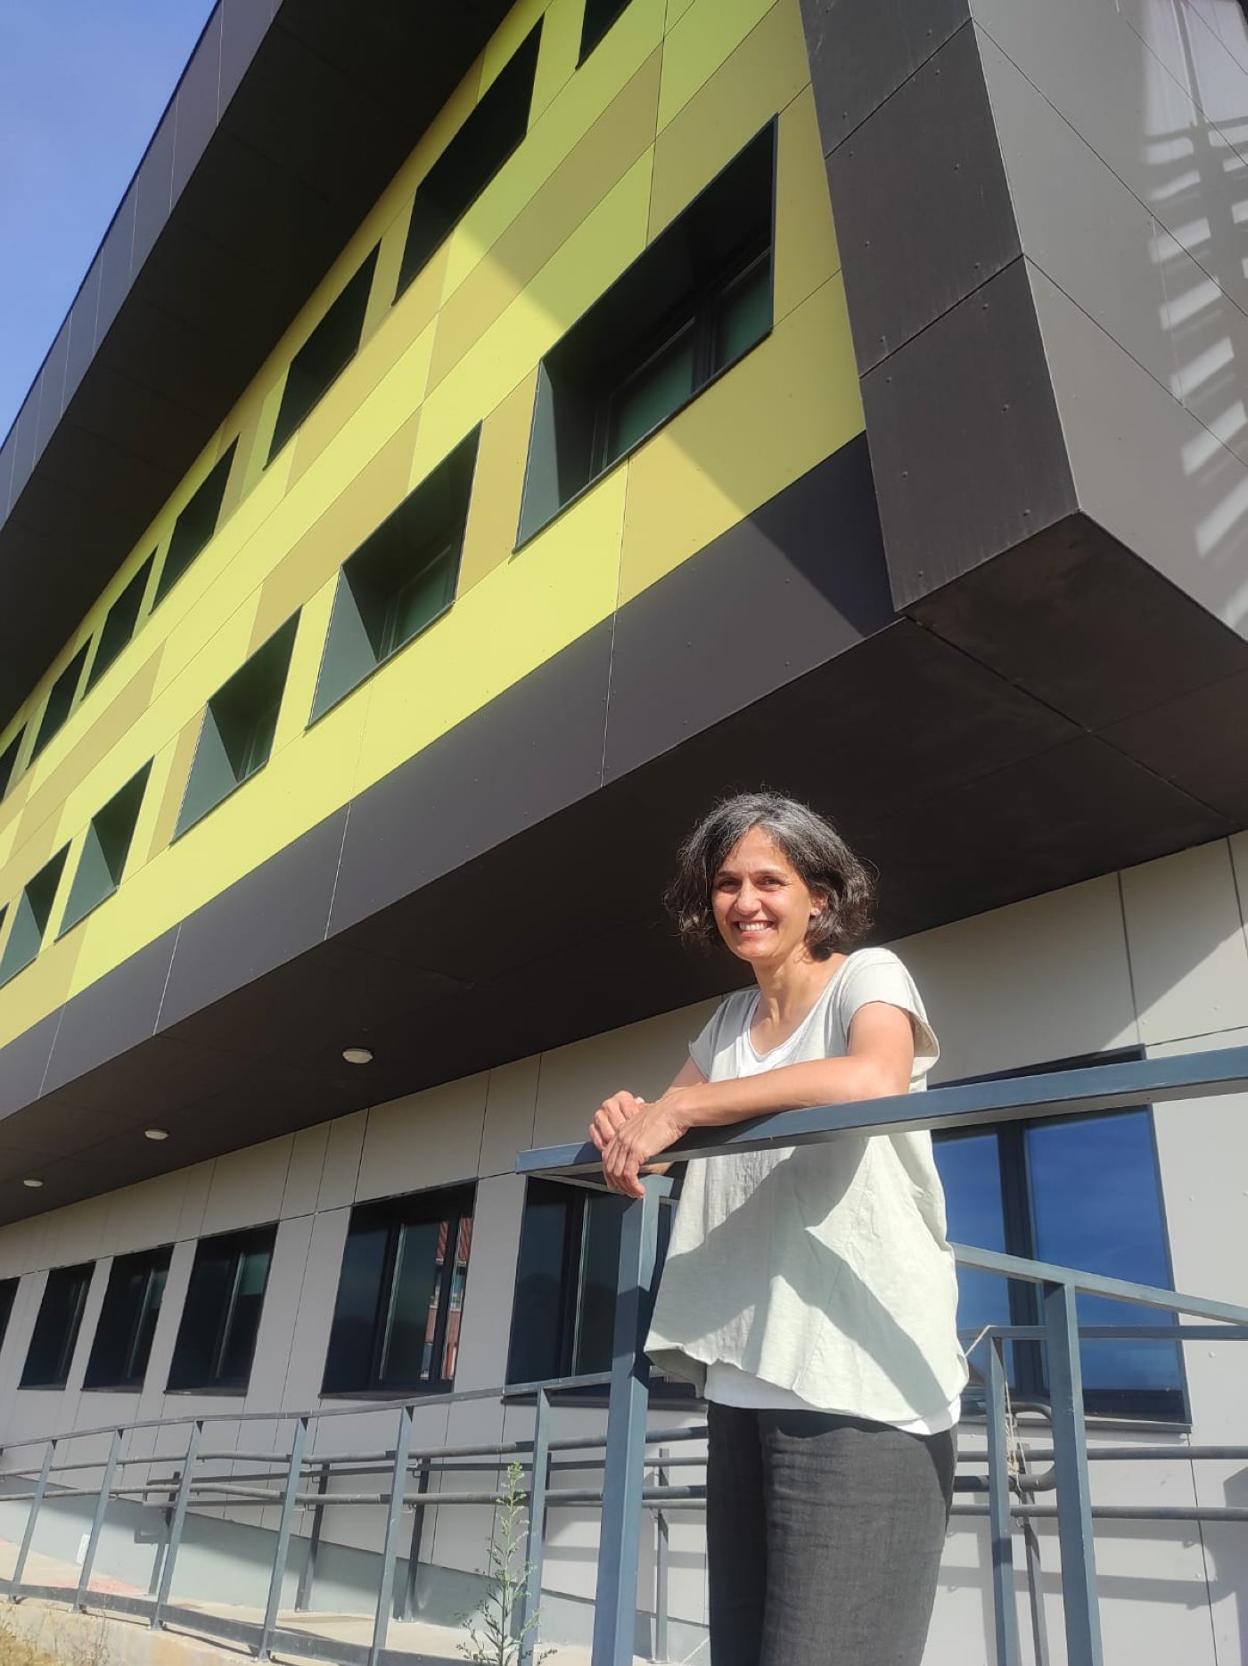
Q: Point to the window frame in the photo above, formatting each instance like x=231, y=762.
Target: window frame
x=81, y=1273
x=453, y=1205
x=1170, y=1407
x=247, y=1241
x=157, y=1262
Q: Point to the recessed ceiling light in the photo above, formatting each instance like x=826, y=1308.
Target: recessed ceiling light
x=155, y=1133
x=33, y=1184
x=357, y=1055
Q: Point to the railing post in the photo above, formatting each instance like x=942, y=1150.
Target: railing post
x=166, y=1521
x=294, y=1473
x=661, y=1574
x=1074, y=1498
x=97, y=1520
x=407, y=1607
x=41, y=1486
x=1035, y=1584
x=177, y=1524
x=389, y=1549
x=307, y=1573
x=535, y=1543
x=1000, y=1526
x=615, y=1606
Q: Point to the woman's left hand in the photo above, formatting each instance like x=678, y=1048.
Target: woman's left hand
x=651, y=1130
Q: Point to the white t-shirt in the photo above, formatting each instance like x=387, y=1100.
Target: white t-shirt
x=817, y=1272
x=726, y=1384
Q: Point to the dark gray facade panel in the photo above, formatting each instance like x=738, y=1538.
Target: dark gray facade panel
x=155, y=189
x=112, y=1015
x=82, y=329
x=521, y=760
x=52, y=388
x=197, y=103
x=244, y=24
x=7, y=453
x=23, y=437
x=115, y=263
x=923, y=211
x=268, y=917
x=809, y=564
x=1196, y=742
x=23, y=1065
x=861, y=51
x=966, y=446
x=1084, y=625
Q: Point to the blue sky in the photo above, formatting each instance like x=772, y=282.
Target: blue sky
x=83, y=84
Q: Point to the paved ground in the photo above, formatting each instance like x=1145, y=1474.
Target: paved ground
x=123, y=1640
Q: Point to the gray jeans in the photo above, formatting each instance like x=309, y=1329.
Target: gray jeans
x=824, y=1537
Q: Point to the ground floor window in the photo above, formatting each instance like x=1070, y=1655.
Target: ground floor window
x=221, y=1315
x=1080, y=1192
x=400, y=1294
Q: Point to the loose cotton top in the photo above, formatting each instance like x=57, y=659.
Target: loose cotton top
x=822, y=1269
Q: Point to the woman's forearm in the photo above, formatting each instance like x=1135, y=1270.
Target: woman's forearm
x=839, y=1081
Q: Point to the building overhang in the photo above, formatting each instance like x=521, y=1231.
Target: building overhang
x=289, y=120
x=498, y=895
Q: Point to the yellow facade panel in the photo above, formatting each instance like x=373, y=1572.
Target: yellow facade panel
x=505, y=40
x=47, y=982
x=700, y=40
x=606, y=241
x=561, y=40
x=520, y=615
x=616, y=140
x=562, y=125
x=790, y=403
x=494, y=510
x=806, y=251
x=763, y=75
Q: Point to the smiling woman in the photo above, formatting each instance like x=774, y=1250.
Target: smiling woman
x=808, y=1294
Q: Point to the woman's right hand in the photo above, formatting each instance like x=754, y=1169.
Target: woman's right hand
x=611, y=1116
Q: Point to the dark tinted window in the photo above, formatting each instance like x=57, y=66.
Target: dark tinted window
x=599, y=16
x=56, y=1328
x=120, y=622
x=8, y=1290
x=123, y=1337
x=195, y=525
x=689, y=307
x=331, y=346
x=8, y=761
x=60, y=700
x=1080, y=1192
x=400, y=1294
x=217, y=1335
x=30, y=919
x=471, y=159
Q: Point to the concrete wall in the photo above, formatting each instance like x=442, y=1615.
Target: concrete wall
x=1156, y=956
x=1123, y=127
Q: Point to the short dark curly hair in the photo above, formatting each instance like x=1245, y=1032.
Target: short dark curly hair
x=808, y=840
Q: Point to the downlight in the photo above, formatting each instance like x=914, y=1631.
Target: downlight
x=357, y=1055
x=155, y=1133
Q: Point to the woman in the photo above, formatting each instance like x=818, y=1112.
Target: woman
x=809, y=1293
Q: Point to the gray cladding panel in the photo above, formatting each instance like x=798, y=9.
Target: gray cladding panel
x=862, y=50
x=966, y=446
x=113, y=1014
x=922, y=207
x=810, y=562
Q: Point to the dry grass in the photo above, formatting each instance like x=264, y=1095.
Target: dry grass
x=18, y=1651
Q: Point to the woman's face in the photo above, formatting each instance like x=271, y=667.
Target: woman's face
x=761, y=903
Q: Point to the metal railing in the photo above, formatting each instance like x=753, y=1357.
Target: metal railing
x=1105, y=1087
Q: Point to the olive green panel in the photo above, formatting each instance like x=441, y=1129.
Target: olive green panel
x=104, y=854
x=31, y=920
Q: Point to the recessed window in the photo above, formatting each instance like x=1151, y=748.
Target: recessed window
x=123, y=1337
x=194, y=526
x=217, y=1335
x=238, y=728
x=563, y=1318
x=1081, y=1192
x=30, y=920
x=119, y=622
x=400, y=1295
x=400, y=579
x=56, y=1328
x=599, y=16
x=471, y=159
x=104, y=854
x=695, y=302
x=8, y=1291
x=8, y=761
x=60, y=700
x=331, y=346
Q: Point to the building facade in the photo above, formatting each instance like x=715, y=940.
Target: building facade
x=485, y=436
